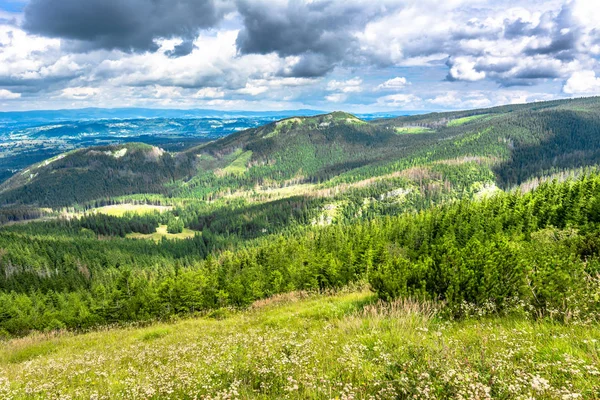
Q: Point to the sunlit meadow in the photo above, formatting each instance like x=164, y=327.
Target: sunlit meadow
x=297, y=346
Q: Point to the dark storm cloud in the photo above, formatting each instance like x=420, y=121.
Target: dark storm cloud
x=321, y=33
x=564, y=37
x=311, y=65
x=183, y=49
x=561, y=30
x=128, y=25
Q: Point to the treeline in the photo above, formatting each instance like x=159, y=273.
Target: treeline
x=18, y=214
x=535, y=253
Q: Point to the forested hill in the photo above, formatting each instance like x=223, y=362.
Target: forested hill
x=97, y=172
x=515, y=142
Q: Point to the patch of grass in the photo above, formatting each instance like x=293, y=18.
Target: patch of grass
x=118, y=210
x=28, y=352
x=464, y=120
x=412, y=130
x=313, y=346
x=240, y=164
x=284, y=124
x=161, y=232
x=154, y=334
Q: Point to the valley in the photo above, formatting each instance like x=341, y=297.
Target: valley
x=416, y=241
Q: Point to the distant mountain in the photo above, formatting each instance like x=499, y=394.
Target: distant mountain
x=33, y=118
x=34, y=136
x=97, y=172
x=515, y=143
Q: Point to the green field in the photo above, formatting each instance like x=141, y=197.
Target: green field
x=464, y=120
x=240, y=164
x=412, y=130
x=118, y=210
x=301, y=346
x=161, y=232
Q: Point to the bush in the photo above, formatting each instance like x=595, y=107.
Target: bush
x=174, y=226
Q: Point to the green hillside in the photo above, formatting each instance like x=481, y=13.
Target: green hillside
x=516, y=143
x=537, y=251
x=93, y=173
x=301, y=346
x=452, y=255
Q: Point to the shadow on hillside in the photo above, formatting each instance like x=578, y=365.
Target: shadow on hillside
x=566, y=139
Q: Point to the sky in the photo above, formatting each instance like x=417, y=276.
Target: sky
x=352, y=55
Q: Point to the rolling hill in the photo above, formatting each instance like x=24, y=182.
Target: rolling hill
x=454, y=253
x=87, y=174
x=516, y=142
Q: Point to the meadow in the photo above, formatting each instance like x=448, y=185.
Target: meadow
x=161, y=232
x=344, y=345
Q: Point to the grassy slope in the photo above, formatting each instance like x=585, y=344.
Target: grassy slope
x=119, y=210
x=339, y=346
x=161, y=232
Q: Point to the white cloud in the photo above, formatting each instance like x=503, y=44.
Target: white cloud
x=464, y=70
x=538, y=46
x=210, y=93
x=8, y=95
x=393, y=84
x=399, y=100
x=582, y=82
x=456, y=100
x=336, y=97
x=79, y=93
x=253, y=89
x=349, y=86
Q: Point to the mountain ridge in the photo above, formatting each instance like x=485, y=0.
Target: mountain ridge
x=526, y=140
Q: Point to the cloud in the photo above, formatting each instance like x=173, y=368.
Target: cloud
x=321, y=33
x=582, y=82
x=464, y=70
x=79, y=93
x=393, y=84
x=253, y=89
x=241, y=52
x=336, y=97
x=399, y=100
x=8, y=95
x=457, y=100
x=182, y=49
x=210, y=93
x=469, y=99
x=127, y=25
x=350, y=86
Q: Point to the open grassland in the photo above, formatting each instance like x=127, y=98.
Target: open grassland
x=118, y=210
x=412, y=130
x=301, y=346
x=239, y=165
x=161, y=232
x=464, y=120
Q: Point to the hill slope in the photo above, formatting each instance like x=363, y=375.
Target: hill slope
x=97, y=172
x=317, y=347
x=515, y=143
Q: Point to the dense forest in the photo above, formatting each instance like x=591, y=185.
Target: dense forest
x=494, y=208
x=536, y=253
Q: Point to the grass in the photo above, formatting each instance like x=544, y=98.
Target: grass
x=283, y=124
x=118, y=210
x=240, y=164
x=464, y=120
x=412, y=130
x=299, y=346
x=161, y=232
